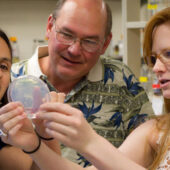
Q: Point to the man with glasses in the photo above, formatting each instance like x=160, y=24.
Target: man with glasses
x=106, y=91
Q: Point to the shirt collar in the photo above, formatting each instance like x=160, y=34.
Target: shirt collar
x=95, y=74
x=33, y=63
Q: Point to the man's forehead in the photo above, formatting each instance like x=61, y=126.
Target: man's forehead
x=93, y=4
x=89, y=8
x=84, y=15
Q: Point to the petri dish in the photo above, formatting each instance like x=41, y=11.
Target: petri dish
x=30, y=91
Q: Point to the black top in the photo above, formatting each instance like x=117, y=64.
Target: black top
x=4, y=101
x=2, y=144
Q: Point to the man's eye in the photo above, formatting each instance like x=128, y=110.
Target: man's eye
x=166, y=54
x=3, y=67
x=67, y=35
x=90, y=42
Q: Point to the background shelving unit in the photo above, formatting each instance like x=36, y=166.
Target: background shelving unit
x=131, y=34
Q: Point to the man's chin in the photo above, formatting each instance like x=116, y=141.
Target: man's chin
x=68, y=76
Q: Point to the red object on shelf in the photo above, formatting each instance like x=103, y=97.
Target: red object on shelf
x=156, y=86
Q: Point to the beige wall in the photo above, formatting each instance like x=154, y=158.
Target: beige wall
x=26, y=19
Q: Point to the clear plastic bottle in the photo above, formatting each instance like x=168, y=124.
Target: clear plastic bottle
x=156, y=86
x=15, y=49
x=144, y=76
x=157, y=98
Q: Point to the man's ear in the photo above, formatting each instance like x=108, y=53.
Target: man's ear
x=49, y=26
x=106, y=43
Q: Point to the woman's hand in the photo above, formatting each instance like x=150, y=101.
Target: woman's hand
x=17, y=127
x=39, y=123
x=67, y=125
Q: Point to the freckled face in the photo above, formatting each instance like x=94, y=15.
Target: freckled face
x=161, y=41
x=5, y=66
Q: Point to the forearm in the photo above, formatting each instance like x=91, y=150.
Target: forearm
x=104, y=156
x=13, y=158
x=46, y=159
x=52, y=144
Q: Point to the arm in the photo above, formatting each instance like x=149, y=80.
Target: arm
x=21, y=134
x=138, y=146
x=68, y=125
x=12, y=115
x=102, y=158
x=47, y=159
x=52, y=143
x=15, y=123
x=14, y=156
x=53, y=146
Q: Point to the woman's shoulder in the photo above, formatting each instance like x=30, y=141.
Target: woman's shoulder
x=148, y=126
x=147, y=132
x=157, y=127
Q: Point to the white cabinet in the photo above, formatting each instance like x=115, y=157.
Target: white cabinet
x=131, y=34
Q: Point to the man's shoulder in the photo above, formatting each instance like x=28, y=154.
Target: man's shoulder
x=118, y=72
x=116, y=64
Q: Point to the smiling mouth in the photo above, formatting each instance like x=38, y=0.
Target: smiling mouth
x=164, y=81
x=72, y=62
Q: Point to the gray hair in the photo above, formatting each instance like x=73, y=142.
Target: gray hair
x=108, y=28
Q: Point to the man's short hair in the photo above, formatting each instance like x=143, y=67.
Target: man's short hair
x=108, y=28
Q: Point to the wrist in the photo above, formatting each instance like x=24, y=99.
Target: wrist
x=31, y=151
x=90, y=147
x=42, y=137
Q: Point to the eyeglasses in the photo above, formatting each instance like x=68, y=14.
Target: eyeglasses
x=164, y=57
x=87, y=44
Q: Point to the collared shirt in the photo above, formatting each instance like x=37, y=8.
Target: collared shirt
x=110, y=97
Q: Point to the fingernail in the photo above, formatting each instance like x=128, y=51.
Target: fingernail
x=23, y=116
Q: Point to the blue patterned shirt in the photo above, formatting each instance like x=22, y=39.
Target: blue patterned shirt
x=110, y=97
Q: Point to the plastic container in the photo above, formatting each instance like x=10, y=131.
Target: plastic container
x=30, y=91
x=15, y=49
x=156, y=89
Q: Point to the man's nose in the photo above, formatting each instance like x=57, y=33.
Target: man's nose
x=75, y=48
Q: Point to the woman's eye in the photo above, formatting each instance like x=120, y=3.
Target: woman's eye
x=4, y=67
x=152, y=59
x=166, y=54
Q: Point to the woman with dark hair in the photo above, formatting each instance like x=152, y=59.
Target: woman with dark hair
x=11, y=158
x=5, y=66
x=5, y=48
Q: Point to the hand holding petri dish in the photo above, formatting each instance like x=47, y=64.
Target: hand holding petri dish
x=30, y=91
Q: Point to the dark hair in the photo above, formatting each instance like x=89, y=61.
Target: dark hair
x=4, y=100
x=5, y=38
x=108, y=28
